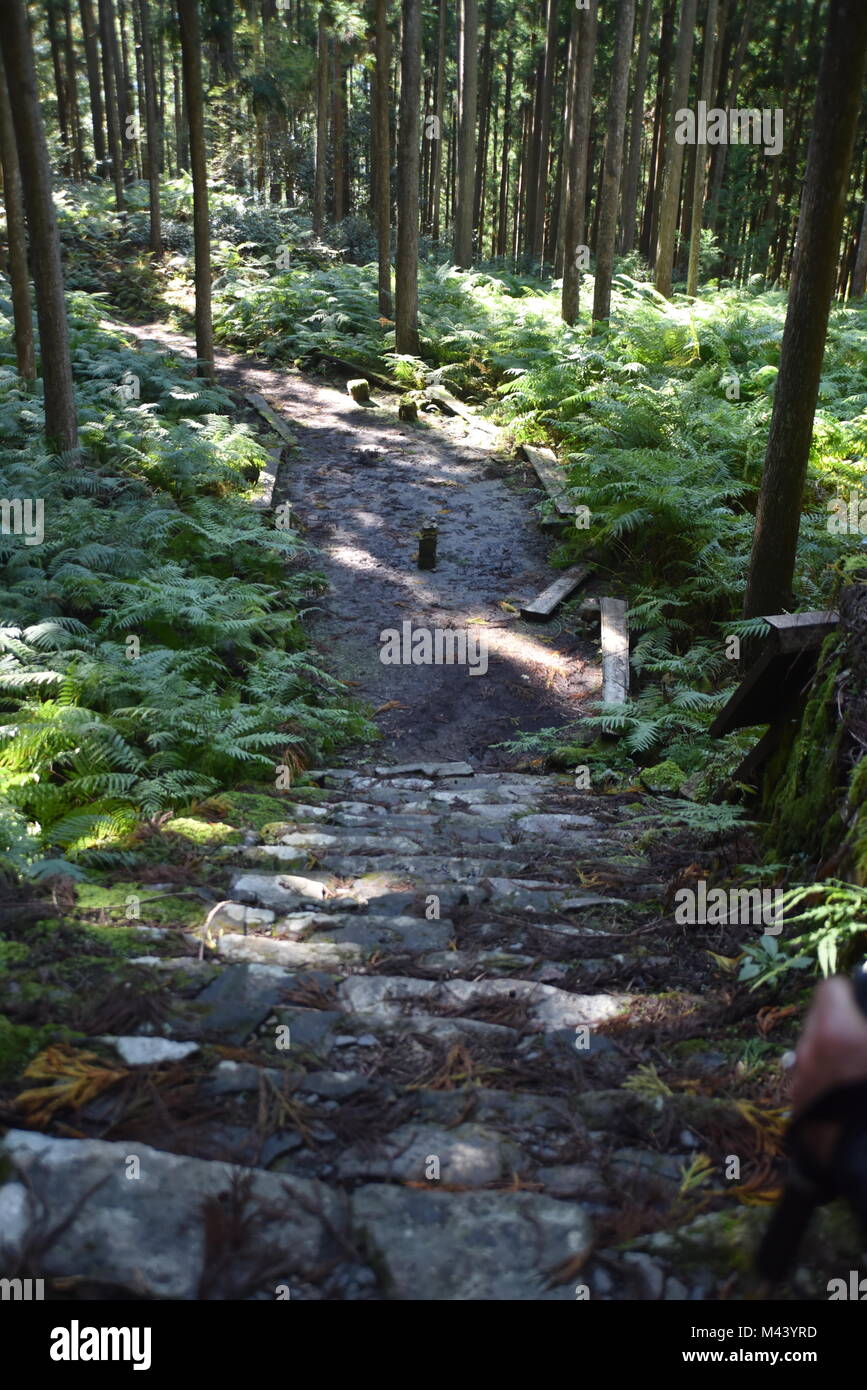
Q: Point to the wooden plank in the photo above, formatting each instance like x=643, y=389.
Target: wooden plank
x=615, y=650
x=550, y=475
x=780, y=672
x=442, y=396
x=266, y=480
x=270, y=414
x=355, y=369
x=553, y=596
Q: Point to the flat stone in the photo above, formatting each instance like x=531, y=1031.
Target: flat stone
x=238, y=1001
x=291, y=892
x=642, y=1171
x=369, y=932
x=469, y=1246
x=240, y=918
x=469, y=1155
x=148, y=1235
x=149, y=1052
x=573, y=1180
x=427, y=770
x=297, y=955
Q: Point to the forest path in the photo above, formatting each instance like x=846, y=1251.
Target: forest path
x=361, y=482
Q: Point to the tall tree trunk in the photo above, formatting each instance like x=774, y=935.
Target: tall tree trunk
x=191, y=59
x=540, y=193
x=718, y=162
x=112, y=103
x=16, y=236
x=59, y=82
x=650, y=217
x=152, y=128
x=577, y=156
x=503, y=220
x=382, y=155
x=466, y=168
x=838, y=98
x=439, y=110
x=699, y=177
x=406, y=276
x=484, y=105
x=568, y=135
x=91, y=58
x=321, y=124
x=338, y=132
x=69, y=63
x=61, y=427
x=624, y=26
x=859, y=273
x=670, y=201
x=633, y=164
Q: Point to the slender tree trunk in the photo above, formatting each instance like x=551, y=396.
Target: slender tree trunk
x=718, y=162
x=59, y=82
x=699, y=179
x=670, y=201
x=69, y=65
x=647, y=241
x=112, y=104
x=568, y=137
x=633, y=165
x=484, y=105
x=624, y=26
x=859, y=273
x=406, y=277
x=321, y=125
x=61, y=427
x=468, y=77
x=838, y=98
x=578, y=145
x=191, y=59
x=338, y=133
x=540, y=193
x=382, y=155
x=437, y=152
x=503, y=222
x=152, y=128
x=91, y=58
x=16, y=236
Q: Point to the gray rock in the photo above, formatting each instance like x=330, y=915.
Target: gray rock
x=147, y=1234
x=238, y=1001
x=149, y=1052
x=574, y=1180
x=648, y=1275
x=642, y=1171
x=469, y=1246
x=470, y=1155
x=427, y=770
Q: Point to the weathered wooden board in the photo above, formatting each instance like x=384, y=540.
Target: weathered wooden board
x=550, y=475
x=441, y=396
x=270, y=414
x=779, y=673
x=266, y=480
x=551, y=598
x=615, y=650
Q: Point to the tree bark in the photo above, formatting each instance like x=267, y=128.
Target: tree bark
x=838, y=98
x=577, y=156
x=112, y=101
x=610, y=189
x=859, y=273
x=439, y=109
x=540, y=193
x=406, y=278
x=502, y=242
x=466, y=168
x=647, y=240
x=91, y=58
x=382, y=155
x=699, y=177
x=152, y=129
x=16, y=236
x=191, y=61
x=670, y=201
x=61, y=426
x=321, y=125
x=629, y=207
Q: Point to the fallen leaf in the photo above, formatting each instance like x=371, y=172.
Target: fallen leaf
x=390, y=704
x=74, y=1079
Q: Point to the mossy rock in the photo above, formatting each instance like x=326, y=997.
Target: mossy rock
x=154, y=907
x=203, y=832
x=664, y=777
x=359, y=389
x=250, y=810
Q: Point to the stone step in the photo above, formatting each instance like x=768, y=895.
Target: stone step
x=292, y=893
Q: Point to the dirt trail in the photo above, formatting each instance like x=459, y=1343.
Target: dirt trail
x=362, y=482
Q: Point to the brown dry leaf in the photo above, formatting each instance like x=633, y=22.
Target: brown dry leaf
x=74, y=1079
x=509, y=607
x=390, y=704
x=768, y=1017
